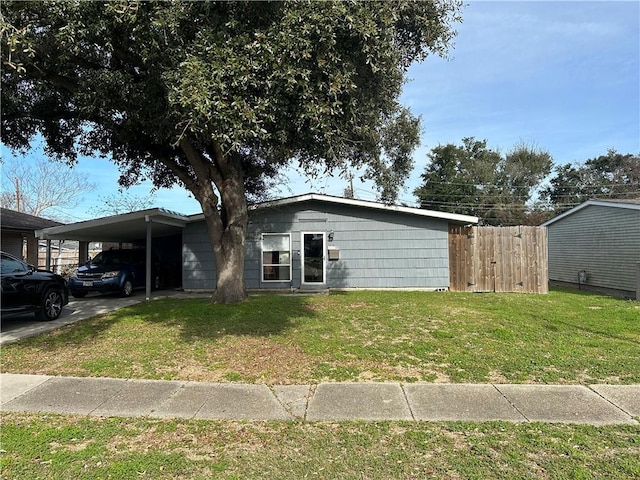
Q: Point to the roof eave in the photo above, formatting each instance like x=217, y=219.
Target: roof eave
x=454, y=217
x=599, y=203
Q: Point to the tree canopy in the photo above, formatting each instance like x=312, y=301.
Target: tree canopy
x=610, y=176
x=475, y=180
x=218, y=96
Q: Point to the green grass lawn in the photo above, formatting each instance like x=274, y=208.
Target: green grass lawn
x=563, y=337
x=70, y=447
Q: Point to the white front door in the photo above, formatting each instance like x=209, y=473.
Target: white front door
x=313, y=258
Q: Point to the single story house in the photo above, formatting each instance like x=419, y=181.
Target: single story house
x=317, y=242
x=18, y=234
x=303, y=242
x=596, y=246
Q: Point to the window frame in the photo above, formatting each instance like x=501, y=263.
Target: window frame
x=276, y=265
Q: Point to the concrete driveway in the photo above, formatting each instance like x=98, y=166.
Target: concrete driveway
x=23, y=326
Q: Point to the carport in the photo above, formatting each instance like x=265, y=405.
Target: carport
x=143, y=225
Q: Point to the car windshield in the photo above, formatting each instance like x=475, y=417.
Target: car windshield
x=11, y=265
x=109, y=257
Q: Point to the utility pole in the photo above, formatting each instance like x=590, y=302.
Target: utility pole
x=17, y=195
x=353, y=192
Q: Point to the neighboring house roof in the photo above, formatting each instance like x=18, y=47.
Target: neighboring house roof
x=453, y=217
x=18, y=221
x=633, y=204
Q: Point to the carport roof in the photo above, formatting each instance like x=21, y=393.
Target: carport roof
x=119, y=228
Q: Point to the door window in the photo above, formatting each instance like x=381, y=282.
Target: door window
x=313, y=261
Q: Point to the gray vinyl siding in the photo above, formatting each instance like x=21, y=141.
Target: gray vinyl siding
x=601, y=240
x=378, y=249
x=198, y=262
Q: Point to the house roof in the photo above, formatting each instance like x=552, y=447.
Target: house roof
x=131, y=226
x=633, y=204
x=18, y=221
x=452, y=217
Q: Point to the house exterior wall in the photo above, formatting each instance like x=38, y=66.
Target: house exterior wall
x=377, y=249
x=198, y=261
x=601, y=240
x=12, y=243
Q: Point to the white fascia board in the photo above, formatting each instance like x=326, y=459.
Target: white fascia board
x=367, y=204
x=466, y=219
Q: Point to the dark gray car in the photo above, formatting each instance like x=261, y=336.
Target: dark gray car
x=26, y=289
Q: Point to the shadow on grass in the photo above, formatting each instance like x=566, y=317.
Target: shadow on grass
x=601, y=333
x=581, y=297
x=198, y=319
x=74, y=334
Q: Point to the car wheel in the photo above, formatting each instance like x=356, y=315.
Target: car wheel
x=127, y=288
x=79, y=294
x=51, y=306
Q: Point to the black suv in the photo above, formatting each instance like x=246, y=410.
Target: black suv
x=116, y=270
x=26, y=289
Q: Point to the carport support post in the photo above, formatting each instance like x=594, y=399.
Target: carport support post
x=48, y=257
x=32, y=251
x=83, y=253
x=148, y=259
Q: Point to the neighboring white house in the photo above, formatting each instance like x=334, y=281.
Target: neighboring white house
x=596, y=246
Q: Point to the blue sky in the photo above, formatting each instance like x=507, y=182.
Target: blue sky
x=564, y=76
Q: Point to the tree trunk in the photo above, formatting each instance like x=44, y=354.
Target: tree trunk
x=225, y=217
x=227, y=225
x=229, y=253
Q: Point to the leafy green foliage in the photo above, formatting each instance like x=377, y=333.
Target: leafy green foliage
x=272, y=82
x=475, y=180
x=610, y=176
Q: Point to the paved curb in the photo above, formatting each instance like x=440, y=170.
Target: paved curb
x=594, y=405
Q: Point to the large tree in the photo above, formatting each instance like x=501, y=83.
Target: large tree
x=475, y=180
x=610, y=176
x=219, y=96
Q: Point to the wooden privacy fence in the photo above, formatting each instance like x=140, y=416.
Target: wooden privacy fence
x=498, y=259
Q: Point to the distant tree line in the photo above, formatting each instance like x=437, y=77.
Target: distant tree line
x=521, y=187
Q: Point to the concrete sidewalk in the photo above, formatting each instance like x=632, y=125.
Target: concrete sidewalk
x=594, y=404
